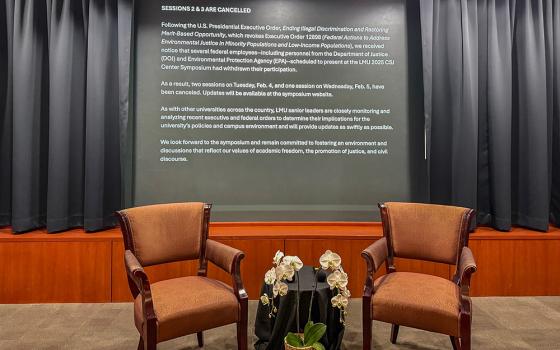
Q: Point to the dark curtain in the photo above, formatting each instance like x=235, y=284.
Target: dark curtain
x=491, y=74
x=492, y=104
x=64, y=105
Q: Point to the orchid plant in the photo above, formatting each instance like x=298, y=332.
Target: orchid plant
x=337, y=280
x=284, y=269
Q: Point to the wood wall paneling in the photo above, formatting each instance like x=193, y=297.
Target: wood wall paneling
x=51, y=272
x=78, y=267
x=516, y=267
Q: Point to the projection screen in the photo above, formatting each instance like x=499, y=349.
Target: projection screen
x=274, y=110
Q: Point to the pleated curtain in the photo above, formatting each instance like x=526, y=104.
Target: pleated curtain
x=492, y=95
x=64, y=109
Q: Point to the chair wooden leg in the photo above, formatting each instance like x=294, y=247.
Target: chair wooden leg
x=455, y=342
x=150, y=335
x=366, y=323
x=367, y=335
x=466, y=339
x=465, y=324
x=200, y=338
x=151, y=344
x=394, y=333
x=241, y=336
x=242, y=326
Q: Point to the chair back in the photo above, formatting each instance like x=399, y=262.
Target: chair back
x=165, y=233
x=425, y=231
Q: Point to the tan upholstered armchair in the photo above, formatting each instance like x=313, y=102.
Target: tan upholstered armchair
x=176, y=307
x=426, y=232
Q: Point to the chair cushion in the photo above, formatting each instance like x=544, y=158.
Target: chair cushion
x=417, y=300
x=188, y=305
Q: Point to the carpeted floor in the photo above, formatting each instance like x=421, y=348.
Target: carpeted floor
x=499, y=323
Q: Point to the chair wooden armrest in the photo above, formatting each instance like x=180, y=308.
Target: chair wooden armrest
x=375, y=255
x=135, y=271
x=229, y=260
x=138, y=276
x=465, y=268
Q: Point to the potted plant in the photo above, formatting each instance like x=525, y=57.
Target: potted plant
x=286, y=268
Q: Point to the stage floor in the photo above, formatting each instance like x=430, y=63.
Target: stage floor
x=499, y=323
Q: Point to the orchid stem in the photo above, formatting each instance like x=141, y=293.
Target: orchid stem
x=297, y=302
x=312, y=294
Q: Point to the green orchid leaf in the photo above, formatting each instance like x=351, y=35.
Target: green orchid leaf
x=318, y=346
x=314, y=333
x=293, y=340
x=307, y=326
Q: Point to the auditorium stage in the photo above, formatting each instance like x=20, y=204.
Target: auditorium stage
x=74, y=266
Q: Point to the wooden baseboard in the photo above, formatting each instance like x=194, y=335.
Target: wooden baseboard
x=75, y=266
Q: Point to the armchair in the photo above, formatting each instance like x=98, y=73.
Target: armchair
x=426, y=232
x=176, y=307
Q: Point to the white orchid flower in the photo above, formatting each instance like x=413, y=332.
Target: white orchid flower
x=339, y=301
x=284, y=272
x=270, y=276
x=280, y=288
x=293, y=261
x=278, y=258
x=265, y=300
x=345, y=292
x=338, y=280
x=330, y=260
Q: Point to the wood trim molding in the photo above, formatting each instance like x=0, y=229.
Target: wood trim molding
x=280, y=230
